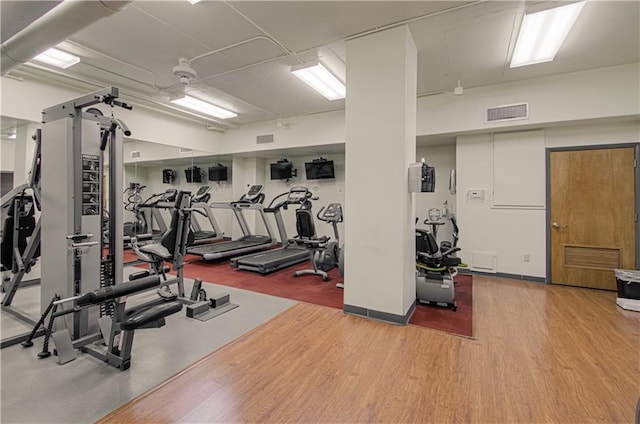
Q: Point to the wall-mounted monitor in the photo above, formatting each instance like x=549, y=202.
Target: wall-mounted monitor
x=218, y=173
x=281, y=170
x=168, y=176
x=193, y=174
x=319, y=169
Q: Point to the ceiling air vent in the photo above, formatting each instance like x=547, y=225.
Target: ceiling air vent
x=508, y=112
x=135, y=154
x=263, y=139
x=184, y=150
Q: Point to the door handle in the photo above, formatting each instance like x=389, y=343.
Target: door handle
x=558, y=226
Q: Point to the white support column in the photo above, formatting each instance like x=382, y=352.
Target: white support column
x=380, y=144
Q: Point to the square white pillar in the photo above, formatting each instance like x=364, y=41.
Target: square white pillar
x=380, y=145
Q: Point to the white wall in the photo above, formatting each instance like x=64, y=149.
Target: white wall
x=27, y=99
x=220, y=192
x=17, y=155
x=149, y=151
x=306, y=130
x=7, y=155
x=594, y=94
x=327, y=191
x=513, y=233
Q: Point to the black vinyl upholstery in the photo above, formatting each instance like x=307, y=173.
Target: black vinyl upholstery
x=26, y=225
x=426, y=242
x=429, y=254
x=304, y=224
x=151, y=314
x=169, y=238
x=166, y=248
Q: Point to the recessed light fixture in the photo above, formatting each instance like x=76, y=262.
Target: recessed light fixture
x=204, y=107
x=57, y=58
x=194, y=1
x=542, y=33
x=316, y=76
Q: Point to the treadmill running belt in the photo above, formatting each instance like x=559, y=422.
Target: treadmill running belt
x=229, y=248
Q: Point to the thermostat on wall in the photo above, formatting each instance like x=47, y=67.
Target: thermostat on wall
x=475, y=194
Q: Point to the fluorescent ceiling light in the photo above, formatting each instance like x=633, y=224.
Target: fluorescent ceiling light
x=204, y=107
x=194, y=1
x=11, y=136
x=542, y=34
x=57, y=58
x=320, y=79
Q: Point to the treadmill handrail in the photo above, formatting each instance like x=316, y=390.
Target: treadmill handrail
x=220, y=205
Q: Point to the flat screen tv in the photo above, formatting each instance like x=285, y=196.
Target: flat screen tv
x=168, y=176
x=218, y=173
x=281, y=171
x=319, y=169
x=193, y=174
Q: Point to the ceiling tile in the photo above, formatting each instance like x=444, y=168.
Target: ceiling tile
x=310, y=24
x=213, y=23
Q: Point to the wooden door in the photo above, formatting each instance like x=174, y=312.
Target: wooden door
x=592, y=215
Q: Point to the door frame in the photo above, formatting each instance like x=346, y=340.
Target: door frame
x=547, y=164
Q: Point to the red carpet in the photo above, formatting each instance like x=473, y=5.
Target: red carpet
x=459, y=322
x=311, y=289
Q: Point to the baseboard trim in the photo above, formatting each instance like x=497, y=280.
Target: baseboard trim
x=505, y=275
x=380, y=316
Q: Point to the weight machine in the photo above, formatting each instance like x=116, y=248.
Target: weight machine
x=20, y=246
x=82, y=266
x=76, y=138
x=79, y=265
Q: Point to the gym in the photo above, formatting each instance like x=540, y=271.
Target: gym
x=444, y=230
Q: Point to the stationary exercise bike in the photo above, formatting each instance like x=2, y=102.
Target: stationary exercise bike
x=323, y=251
x=327, y=258
x=436, y=265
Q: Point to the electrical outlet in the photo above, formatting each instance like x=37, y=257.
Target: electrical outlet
x=527, y=258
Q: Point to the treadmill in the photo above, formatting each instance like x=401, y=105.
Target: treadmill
x=200, y=206
x=152, y=215
x=248, y=242
x=287, y=255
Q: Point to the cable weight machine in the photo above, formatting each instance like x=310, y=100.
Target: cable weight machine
x=76, y=138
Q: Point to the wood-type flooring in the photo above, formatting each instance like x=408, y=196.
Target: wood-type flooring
x=541, y=354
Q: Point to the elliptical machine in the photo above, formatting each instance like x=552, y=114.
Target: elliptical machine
x=436, y=265
x=133, y=200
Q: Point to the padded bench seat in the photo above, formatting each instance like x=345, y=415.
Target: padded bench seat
x=154, y=313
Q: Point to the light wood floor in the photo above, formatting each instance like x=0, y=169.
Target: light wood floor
x=541, y=354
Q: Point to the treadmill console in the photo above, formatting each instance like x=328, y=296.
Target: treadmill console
x=298, y=195
x=202, y=195
x=332, y=213
x=169, y=195
x=253, y=193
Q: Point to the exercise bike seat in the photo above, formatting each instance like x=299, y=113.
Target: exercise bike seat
x=429, y=254
x=435, y=262
x=311, y=242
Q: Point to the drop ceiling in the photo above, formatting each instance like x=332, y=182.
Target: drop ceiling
x=466, y=41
